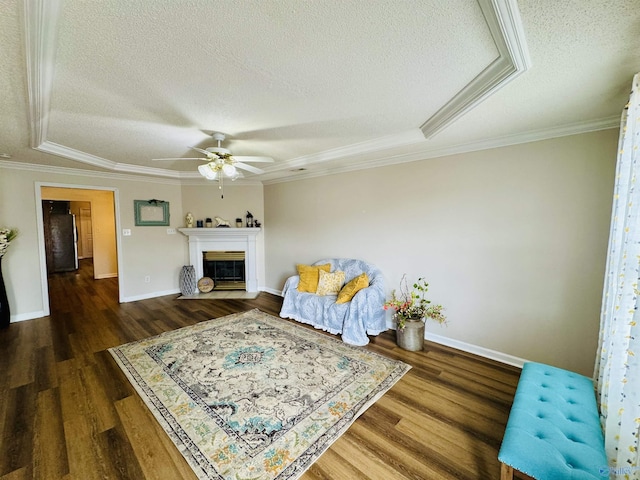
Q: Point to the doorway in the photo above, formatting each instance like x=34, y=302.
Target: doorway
x=96, y=212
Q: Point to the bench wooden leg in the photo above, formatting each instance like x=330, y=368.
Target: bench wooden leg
x=506, y=472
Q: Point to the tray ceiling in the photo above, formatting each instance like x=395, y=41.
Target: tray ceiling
x=322, y=86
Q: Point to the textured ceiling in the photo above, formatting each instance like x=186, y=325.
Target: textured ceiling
x=327, y=86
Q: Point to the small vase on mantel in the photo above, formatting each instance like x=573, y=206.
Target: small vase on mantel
x=5, y=314
x=411, y=337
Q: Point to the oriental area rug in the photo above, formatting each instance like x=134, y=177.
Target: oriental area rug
x=251, y=396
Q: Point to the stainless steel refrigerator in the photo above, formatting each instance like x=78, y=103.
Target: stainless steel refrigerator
x=64, y=242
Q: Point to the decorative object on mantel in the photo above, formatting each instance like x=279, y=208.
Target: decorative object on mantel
x=239, y=222
x=151, y=213
x=187, y=280
x=6, y=236
x=249, y=219
x=189, y=219
x=411, y=309
x=221, y=222
x=257, y=224
x=208, y=223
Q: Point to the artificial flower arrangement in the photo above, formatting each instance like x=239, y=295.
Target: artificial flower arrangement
x=412, y=304
x=6, y=235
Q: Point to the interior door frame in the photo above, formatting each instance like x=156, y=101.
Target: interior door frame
x=83, y=227
x=40, y=227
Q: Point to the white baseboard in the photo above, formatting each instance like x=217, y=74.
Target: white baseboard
x=470, y=348
x=145, y=296
x=476, y=350
x=106, y=275
x=272, y=291
x=27, y=316
x=432, y=337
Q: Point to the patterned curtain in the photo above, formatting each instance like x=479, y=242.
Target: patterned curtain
x=618, y=360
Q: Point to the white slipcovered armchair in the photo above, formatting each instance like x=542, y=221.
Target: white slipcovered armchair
x=363, y=315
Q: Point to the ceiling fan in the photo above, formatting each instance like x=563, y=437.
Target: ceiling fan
x=221, y=163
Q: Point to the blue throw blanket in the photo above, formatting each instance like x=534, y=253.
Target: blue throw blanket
x=363, y=315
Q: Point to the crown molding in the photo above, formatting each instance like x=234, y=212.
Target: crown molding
x=383, y=143
x=185, y=180
x=41, y=29
x=504, y=22
x=193, y=178
x=161, y=172
x=496, y=142
x=73, y=154
x=70, y=153
x=32, y=167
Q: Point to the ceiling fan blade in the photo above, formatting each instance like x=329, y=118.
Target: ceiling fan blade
x=249, y=168
x=208, y=154
x=241, y=158
x=199, y=158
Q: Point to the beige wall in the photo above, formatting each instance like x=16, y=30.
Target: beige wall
x=21, y=263
x=149, y=251
x=512, y=240
x=204, y=201
x=103, y=219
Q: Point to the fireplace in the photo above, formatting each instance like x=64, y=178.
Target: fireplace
x=241, y=240
x=225, y=268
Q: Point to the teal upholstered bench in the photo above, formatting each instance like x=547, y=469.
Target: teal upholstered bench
x=553, y=431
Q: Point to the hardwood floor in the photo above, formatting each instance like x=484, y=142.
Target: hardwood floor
x=68, y=412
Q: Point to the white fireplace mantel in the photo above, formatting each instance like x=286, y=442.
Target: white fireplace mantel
x=221, y=239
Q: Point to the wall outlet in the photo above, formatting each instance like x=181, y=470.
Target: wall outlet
x=147, y=279
x=126, y=232
x=171, y=231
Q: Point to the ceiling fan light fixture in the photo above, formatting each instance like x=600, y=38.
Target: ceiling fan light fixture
x=207, y=171
x=221, y=164
x=229, y=170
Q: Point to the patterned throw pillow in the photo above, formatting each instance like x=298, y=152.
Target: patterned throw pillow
x=353, y=287
x=330, y=283
x=309, y=276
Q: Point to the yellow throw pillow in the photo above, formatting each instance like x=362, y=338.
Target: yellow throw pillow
x=309, y=276
x=330, y=283
x=353, y=287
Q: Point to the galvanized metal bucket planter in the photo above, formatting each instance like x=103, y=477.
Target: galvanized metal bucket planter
x=411, y=337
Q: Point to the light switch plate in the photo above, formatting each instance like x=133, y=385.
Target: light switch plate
x=126, y=232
